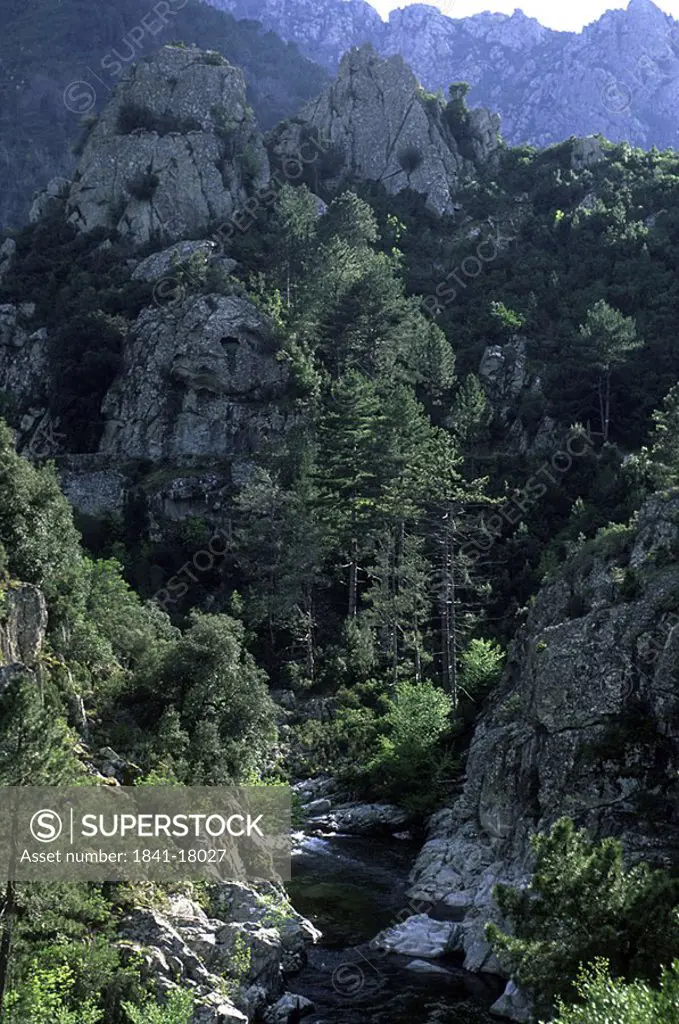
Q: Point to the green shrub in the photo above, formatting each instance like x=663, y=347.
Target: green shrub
x=583, y=904
x=605, y=1000
x=177, y=1010
x=411, y=767
x=43, y=997
x=481, y=667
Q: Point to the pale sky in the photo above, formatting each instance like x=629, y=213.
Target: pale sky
x=570, y=15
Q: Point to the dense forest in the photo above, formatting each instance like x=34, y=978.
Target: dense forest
x=382, y=558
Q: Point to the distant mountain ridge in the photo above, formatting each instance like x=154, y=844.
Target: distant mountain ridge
x=619, y=76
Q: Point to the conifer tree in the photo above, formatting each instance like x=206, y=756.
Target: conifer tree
x=607, y=338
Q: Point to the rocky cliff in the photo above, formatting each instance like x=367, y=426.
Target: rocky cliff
x=618, y=77
x=381, y=127
x=172, y=152
x=61, y=62
x=197, y=383
x=584, y=724
x=200, y=390
x=23, y=624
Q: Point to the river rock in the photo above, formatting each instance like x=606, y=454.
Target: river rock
x=313, y=789
x=280, y=1012
x=317, y=807
x=365, y=819
x=425, y=967
x=420, y=936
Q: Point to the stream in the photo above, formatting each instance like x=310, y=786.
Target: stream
x=351, y=888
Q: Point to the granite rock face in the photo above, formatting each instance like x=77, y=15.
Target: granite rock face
x=187, y=945
x=200, y=379
x=561, y=735
x=23, y=353
x=23, y=624
x=174, y=150
x=381, y=128
x=618, y=77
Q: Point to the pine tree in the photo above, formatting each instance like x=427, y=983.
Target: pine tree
x=606, y=340
x=294, y=224
x=278, y=549
x=350, y=455
x=665, y=440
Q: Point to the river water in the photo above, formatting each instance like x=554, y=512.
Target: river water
x=351, y=888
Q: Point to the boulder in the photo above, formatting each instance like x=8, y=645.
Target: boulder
x=320, y=806
x=514, y=1004
x=420, y=936
x=364, y=819
x=281, y=1012
x=587, y=152
x=49, y=199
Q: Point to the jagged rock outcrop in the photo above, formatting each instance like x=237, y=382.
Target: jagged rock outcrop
x=167, y=262
x=199, y=380
x=7, y=250
x=381, y=127
x=618, y=77
x=23, y=623
x=175, y=150
x=23, y=353
x=254, y=938
x=584, y=724
x=324, y=31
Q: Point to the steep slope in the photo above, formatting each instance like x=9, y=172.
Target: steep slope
x=618, y=77
x=61, y=61
x=584, y=724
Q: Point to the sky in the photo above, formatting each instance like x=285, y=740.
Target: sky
x=569, y=15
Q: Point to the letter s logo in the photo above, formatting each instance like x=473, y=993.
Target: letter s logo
x=46, y=826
